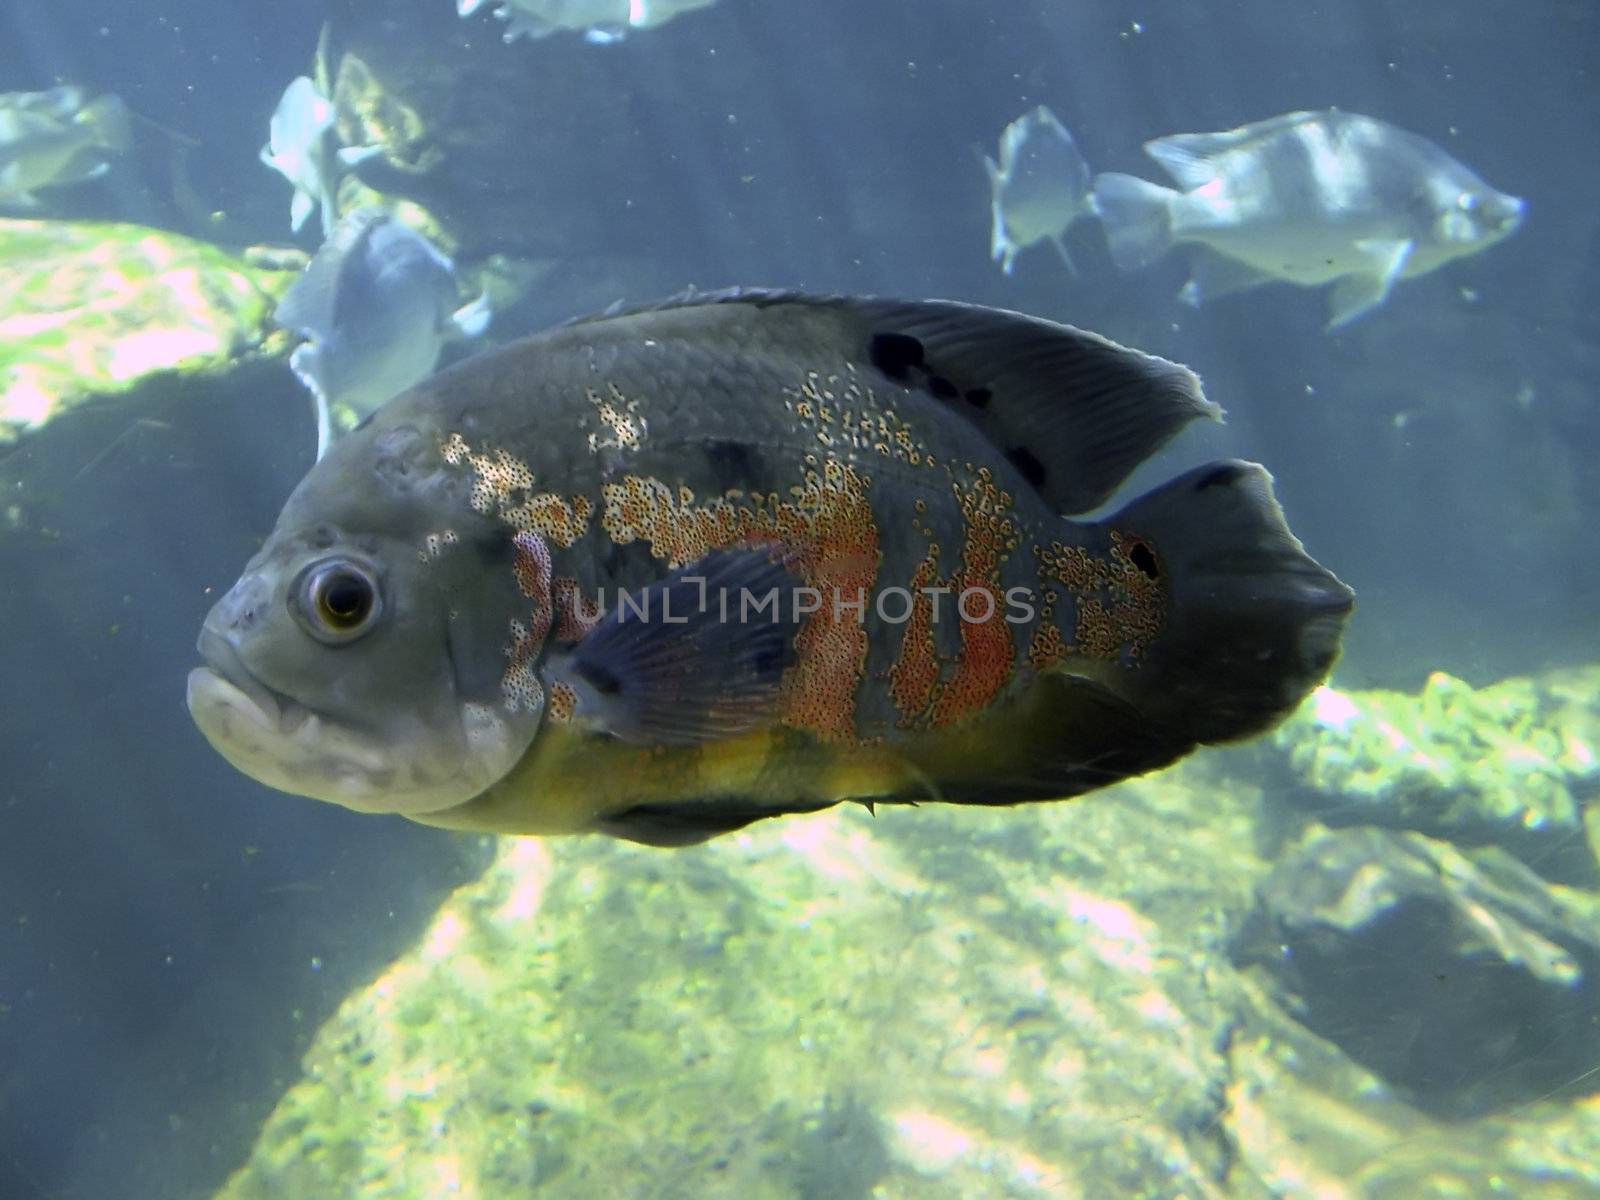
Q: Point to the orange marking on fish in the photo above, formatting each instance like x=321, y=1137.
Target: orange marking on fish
x=575, y=613
x=1048, y=647
x=563, y=703
x=916, y=667
x=551, y=516
x=503, y=484
x=1120, y=608
x=831, y=538
x=530, y=563
x=988, y=656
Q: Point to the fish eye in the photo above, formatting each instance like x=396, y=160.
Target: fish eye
x=1466, y=202
x=336, y=600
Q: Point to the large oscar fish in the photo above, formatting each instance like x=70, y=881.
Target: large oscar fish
x=664, y=572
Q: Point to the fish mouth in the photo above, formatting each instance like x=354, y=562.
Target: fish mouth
x=287, y=745
x=224, y=677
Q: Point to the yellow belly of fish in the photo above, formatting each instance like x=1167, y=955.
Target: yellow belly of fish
x=570, y=779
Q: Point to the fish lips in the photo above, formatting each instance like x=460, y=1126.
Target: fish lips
x=276, y=740
x=289, y=746
x=225, y=678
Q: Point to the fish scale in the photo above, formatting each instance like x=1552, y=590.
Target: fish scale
x=673, y=493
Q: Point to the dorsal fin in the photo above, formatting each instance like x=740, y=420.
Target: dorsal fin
x=1075, y=412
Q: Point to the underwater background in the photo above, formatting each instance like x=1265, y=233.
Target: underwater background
x=1170, y=988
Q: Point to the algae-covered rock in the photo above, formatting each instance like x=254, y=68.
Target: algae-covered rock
x=93, y=310
x=935, y=1003
x=1306, y=1121
x=1510, y=765
x=1466, y=981
x=806, y=1010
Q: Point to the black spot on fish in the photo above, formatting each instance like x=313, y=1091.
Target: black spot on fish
x=616, y=559
x=1028, y=463
x=494, y=545
x=1141, y=556
x=733, y=465
x=943, y=388
x=1222, y=475
x=895, y=354
x=979, y=397
x=630, y=565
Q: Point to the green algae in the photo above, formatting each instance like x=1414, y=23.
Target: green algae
x=1511, y=764
x=94, y=310
x=935, y=1003
x=798, y=1011
x=828, y=1006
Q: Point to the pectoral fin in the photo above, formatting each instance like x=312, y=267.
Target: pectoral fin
x=688, y=659
x=303, y=362
x=1354, y=295
x=1001, y=248
x=299, y=209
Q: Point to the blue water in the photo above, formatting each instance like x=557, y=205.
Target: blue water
x=171, y=934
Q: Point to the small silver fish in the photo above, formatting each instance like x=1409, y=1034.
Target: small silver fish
x=1040, y=187
x=301, y=147
x=377, y=304
x=1306, y=198
x=56, y=137
x=600, y=21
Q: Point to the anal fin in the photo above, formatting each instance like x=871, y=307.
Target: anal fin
x=688, y=823
x=1353, y=295
x=1212, y=275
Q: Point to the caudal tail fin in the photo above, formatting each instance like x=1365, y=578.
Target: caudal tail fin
x=1137, y=215
x=1252, y=622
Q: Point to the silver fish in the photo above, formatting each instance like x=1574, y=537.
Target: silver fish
x=56, y=137
x=1040, y=187
x=377, y=305
x=301, y=147
x=599, y=21
x=1306, y=198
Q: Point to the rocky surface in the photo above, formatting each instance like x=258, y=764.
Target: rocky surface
x=1464, y=980
x=1512, y=764
x=96, y=310
x=927, y=1004
x=933, y=1002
